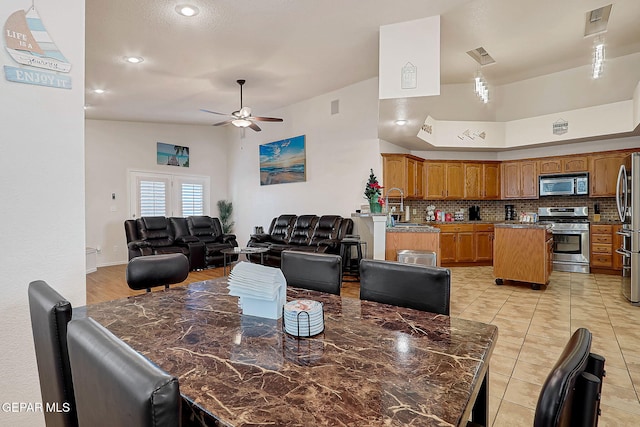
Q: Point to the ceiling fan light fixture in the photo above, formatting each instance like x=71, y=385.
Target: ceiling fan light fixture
x=187, y=10
x=598, y=58
x=241, y=123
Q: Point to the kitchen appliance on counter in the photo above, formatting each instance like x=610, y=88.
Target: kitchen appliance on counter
x=628, y=203
x=510, y=213
x=570, y=230
x=474, y=213
x=564, y=185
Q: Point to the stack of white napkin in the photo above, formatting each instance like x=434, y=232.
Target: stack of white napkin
x=262, y=290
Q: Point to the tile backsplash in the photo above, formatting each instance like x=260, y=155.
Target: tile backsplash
x=493, y=210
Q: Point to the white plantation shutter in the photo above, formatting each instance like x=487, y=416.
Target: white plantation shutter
x=153, y=198
x=157, y=194
x=192, y=199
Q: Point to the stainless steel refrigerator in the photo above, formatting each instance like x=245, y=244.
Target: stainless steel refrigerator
x=628, y=201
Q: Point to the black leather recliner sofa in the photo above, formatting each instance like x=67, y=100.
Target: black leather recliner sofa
x=200, y=238
x=308, y=233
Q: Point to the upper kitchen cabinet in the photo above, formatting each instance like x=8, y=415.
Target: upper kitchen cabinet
x=519, y=179
x=445, y=180
x=603, y=174
x=567, y=164
x=481, y=181
x=405, y=172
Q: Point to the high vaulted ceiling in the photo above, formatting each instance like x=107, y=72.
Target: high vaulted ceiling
x=292, y=50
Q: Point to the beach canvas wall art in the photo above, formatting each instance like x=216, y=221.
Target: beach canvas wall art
x=173, y=155
x=283, y=161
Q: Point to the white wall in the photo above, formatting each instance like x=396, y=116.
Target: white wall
x=42, y=187
x=113, y=148
x=340, y=150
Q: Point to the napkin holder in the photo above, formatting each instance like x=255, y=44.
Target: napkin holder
x=270, y=309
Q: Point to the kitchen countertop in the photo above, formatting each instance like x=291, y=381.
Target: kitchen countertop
x=523, y=225
x=414, y=229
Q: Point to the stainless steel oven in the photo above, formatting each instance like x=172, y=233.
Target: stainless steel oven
x=570, y=230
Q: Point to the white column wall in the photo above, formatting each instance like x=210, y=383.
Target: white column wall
x=340, y=150
x=42, y=209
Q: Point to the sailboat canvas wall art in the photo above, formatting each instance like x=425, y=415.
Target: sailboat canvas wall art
x=173, y=155
x=283, y=161
x=30, y=45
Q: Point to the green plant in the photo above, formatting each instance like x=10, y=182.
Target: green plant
x=226, y=210
x=372, y=190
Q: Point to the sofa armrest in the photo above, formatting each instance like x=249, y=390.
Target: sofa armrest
x=186, y=239
x=138, y=244
x=260, y=238
x=228, y=238
x=330, y=243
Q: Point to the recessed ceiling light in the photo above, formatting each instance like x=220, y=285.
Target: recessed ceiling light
x=187, y=10
x=99, y=91
x=401, y=122
x=134, y=59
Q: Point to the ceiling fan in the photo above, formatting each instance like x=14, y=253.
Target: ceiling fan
x=242, y=118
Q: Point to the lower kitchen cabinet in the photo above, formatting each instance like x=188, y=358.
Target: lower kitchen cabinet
x=417, y=241
x=466, y=244
x=523, y=254
x=604, y=241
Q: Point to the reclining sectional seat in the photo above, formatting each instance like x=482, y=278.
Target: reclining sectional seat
x=306, y=233
x=209, y=231
x=201, y=242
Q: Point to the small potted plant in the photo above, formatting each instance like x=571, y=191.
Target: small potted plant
x=372, y=193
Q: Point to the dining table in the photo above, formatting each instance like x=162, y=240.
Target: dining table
x=372, y=365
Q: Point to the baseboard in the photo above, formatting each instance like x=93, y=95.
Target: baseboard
x=110, y=264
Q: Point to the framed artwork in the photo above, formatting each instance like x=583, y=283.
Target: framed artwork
x=283, y=161
x=173, y=155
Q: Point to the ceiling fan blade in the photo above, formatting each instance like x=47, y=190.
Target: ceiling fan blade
x=255, y=127
x=226, y=122
x=213, y=112
x=267, y=119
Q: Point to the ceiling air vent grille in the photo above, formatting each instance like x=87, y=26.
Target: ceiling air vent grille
x=597, y=20
x=481, y=56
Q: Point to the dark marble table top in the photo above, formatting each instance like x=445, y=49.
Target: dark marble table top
x=373, y=365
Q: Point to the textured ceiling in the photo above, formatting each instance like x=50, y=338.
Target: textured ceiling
x=291, y=50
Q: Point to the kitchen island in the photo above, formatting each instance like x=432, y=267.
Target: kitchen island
x=419, y=237
x=523, y=253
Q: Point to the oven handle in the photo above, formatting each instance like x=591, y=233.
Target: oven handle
x=624, y=233
x=569, y=232
x=624, y=252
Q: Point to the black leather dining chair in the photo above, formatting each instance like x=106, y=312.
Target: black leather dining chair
x=50, y=314
x=146, y=272
x=406, y=285
x=570, y=395
x=313, y=271
x=117, y=386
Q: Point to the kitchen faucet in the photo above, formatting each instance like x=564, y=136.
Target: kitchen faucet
x=386, y=198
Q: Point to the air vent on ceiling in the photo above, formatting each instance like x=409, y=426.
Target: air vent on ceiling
x=597, y=20
x=481, y=56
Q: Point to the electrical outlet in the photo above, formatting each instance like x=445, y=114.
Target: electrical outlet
x=415, y=211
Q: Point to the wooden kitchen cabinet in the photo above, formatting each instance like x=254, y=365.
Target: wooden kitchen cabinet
x=483, y=240
x=456, y=243
x=567, y=164
x=403, y=171
x=519, y=179
x=481, y=181
x=445, y=180
x=604, y=242
x=603, y=173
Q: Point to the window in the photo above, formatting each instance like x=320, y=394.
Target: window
x=155, y=194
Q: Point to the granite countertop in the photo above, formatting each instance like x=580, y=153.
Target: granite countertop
x=374, y=364
x=413, y=229
x=523, y=225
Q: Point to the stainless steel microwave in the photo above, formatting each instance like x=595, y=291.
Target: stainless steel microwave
x=564, y=185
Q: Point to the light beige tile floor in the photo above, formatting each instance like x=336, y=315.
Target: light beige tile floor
x=534, y=326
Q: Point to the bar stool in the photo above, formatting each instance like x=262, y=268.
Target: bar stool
x=351, y=265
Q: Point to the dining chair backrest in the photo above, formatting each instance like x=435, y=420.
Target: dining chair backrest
x=571, y=393
x=313, y=271
x=146, y=272
x=50, y=314
x=115, y=385
x=406, y=285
